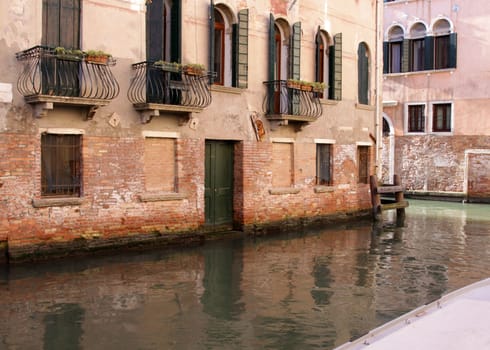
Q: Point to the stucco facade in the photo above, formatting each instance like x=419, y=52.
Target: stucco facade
x=435, y=63
x=146, y=169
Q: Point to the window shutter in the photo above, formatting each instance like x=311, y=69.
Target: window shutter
x=70, y=24
x=318, y=43
x=154, y=32
x=386, y=57
x=362, y=71
x=240, y=50
x=452, y=54
x=176, y=31
x=272, y=49
x=51, y=23
x=211, y=40
x=335, y=61
x=429, y=53
x=296, y=51
x=406, y=55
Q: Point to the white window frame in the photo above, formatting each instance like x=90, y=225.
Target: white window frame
x=405, y=118
x=431, y=117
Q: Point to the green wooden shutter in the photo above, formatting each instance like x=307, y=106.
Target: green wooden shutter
x=272, y=49
x=155, y=32
x=318, y=43
x=295, y=52
x=386, y=57
x=240, y=51
x=61, y=23
x=362, y=71
x=452, y=54
x=335, y=79
x=406, y=55
x=176, y=31
x=211, y=40
x=429, y=52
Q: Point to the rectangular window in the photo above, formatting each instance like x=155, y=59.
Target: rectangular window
x=441, y=52
x=418, y=54
x=159, y=164
x=282, y=164
x=441, y=117
x=324, y=164
x=60, y=165
x=416, y=118
x=395, y=57
x=363, y=163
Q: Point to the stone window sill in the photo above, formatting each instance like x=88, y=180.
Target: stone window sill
x=323, y=189
x=161, y=196
x=56, y=202
x=283, y=190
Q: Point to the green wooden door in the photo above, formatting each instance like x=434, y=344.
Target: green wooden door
x=219, y=183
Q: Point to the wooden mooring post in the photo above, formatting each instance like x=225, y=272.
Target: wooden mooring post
x=381, y=204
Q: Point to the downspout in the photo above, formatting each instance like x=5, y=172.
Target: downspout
x=379, y=88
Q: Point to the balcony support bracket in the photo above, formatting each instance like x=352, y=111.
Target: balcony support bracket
x=41, y=109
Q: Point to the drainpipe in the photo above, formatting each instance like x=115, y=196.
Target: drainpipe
x=379, y=87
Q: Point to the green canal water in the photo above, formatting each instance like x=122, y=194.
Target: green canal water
x=313, y=289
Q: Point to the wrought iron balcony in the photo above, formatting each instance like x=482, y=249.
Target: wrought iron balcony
x=157, y=88
x=286, y=103
x=49, y=78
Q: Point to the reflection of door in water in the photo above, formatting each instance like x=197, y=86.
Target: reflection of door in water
x=219, y=183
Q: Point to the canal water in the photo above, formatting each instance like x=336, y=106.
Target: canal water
x=311, y=289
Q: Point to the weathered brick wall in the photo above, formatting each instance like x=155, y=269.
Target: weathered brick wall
x=434, y=163
x=479, y=177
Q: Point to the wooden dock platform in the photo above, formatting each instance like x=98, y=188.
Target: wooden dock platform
x=381, y=204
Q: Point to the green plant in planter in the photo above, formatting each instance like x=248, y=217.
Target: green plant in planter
x=168, y=66
x=97, y=56
x=68, y=54
x=193, y=68
x=319, y=86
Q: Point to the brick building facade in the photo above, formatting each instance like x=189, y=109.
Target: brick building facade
x=435, y=98
x=133, y=151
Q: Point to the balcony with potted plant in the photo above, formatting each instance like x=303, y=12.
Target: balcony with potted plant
x=61, y=76
x=162, y=87
x=293, y=100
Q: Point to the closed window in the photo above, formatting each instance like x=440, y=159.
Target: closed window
x=441, y=51
x=363, y=164
x=324, y=164
x=159, y=164
x=418, y=54
x=416, y=118
x=282, y=164
x=395, y=57
x=219, y=48
x=445, y=45
x=441, y=117
x=363, y=73
x=60, y=165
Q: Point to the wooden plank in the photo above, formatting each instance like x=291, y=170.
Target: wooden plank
x=396, y=205
x=390, y=189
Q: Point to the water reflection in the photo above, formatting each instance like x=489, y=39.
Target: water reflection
x=302, y=290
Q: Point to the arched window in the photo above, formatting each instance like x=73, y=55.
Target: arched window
x=323, y=69
x=219, y=48
x=228, y=46
x=394, y=49
x=363, y=73
x=417, y=47
x=444, y=45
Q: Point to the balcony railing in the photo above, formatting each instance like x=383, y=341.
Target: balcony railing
x=72, y=78
x=290, y=103
x=155, y=86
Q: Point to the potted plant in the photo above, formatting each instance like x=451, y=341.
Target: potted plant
x=97, y=56
x=193, y=68
x=68, y=54
x=293, y=83
x=306, y=85
x=168, y=66
x=319, y=86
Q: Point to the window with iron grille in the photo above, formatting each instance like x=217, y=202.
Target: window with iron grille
x=363, y=163
x=416, y=118
x=324, y=164
x=60, y=165
x=441, y=117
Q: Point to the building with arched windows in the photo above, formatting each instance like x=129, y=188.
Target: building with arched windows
x=435, y=97
x=131, y=121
